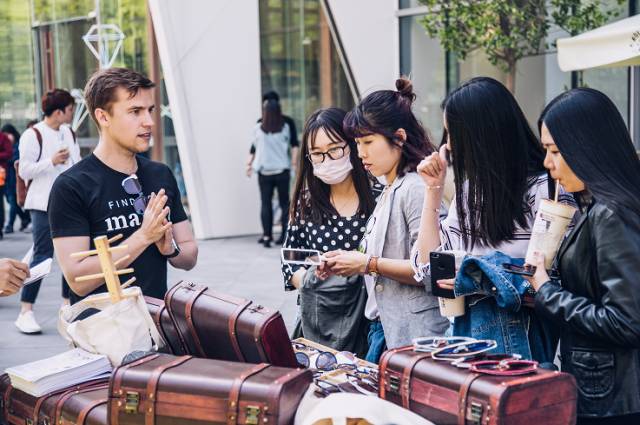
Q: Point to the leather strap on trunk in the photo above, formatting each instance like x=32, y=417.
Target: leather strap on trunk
x=463, y=397
x=234, y=393
x=384, y=363
x=233, y=335
x=405, y=388
x=188, y=310
x=116, y=389
x=167, y=303
x=152, y=387
x=67, y=395
x=7, y=399
x=41, y=400
x=85, y=412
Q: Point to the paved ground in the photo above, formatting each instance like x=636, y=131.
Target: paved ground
x=238, y=266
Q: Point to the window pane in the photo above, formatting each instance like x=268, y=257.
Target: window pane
x=423, y=59
x=17, y=89
x=299, y=59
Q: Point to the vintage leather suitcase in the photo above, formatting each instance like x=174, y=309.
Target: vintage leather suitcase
x=76, y=404
x=445, y=394
x=167, y=390
x=166, y=327
x=218, y=326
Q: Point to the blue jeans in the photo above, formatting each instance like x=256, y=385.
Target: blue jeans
x=377, y=343
x=42, y=249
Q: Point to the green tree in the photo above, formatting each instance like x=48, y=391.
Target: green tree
x=509, y=30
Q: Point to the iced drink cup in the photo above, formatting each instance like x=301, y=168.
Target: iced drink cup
x=548, y=230
x=453, y=307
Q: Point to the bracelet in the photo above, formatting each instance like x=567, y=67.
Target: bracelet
x=433, y=187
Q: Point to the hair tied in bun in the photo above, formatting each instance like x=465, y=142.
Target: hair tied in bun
x=405, y=88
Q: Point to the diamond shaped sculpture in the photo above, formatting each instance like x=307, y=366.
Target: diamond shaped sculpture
x=104, y=41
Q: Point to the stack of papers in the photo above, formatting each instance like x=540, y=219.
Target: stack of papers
x=58, y=372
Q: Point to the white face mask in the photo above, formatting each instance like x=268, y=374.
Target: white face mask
x=333, y=171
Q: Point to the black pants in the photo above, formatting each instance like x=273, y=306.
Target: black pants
x=267, y=185
x=16, y=211
x=1, y=208
x=42, y=249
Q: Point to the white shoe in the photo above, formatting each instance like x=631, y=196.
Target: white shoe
x=27, y=324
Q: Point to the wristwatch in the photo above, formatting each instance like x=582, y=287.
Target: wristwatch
x=176, y=250
x=372, y=266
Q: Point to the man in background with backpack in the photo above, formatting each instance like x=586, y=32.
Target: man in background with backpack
x=46, y=150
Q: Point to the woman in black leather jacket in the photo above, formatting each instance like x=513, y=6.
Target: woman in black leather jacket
x=596, y=303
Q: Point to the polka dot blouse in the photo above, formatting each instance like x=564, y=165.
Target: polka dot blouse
x=334, y=232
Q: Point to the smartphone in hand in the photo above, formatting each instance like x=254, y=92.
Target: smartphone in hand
x=443, y=266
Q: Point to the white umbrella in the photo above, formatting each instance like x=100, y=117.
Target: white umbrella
x=613, y=45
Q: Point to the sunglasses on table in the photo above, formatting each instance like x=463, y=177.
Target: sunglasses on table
x=506, y=367
x=322, y=360
x=428, y=344
x=463, y=349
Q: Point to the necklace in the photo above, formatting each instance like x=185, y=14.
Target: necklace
x=340, y=207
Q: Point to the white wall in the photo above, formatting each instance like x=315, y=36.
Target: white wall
x=369, y=33
x=210, y=54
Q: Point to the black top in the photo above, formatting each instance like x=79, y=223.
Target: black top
x=596, y=310
x=88, y=200
x=293, y=139
x=331, y=233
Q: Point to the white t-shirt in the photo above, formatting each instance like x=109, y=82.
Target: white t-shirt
x=43, y=173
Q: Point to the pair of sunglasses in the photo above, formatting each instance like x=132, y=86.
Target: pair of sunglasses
x=463, y=349
x=132, y=186
x=322, y=360
x=506, y=367
x=465, y=362
x=427, y=344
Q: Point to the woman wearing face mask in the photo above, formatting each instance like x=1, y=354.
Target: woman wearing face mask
x=499, y=183
x=596, y=302
x=332, y=201
x=391, y=143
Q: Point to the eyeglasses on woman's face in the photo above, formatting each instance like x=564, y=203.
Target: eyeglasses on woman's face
x=335, y=152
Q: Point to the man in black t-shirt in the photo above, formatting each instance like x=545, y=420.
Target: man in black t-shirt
x=90, y=199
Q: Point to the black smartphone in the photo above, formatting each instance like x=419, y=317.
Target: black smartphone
x=521, y=270
x=443, y=266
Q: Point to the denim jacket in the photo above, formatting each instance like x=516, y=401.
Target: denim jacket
x=495, y=312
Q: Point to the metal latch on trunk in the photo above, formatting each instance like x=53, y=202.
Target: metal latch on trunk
x=394, y=383
x=132, y=401
x=252, y=414
x=476, y=413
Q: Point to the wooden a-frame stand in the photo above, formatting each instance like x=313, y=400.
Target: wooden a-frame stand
x=110, y=273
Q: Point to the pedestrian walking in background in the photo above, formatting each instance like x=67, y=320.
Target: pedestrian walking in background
x=6, y=153
x=10, y=190
x=272, y=161
x=46, y=150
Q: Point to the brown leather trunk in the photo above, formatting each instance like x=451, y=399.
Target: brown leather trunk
x=76, y=404
x=219, y=326
x=166, y=327
x=161, y=389
x=445, y=394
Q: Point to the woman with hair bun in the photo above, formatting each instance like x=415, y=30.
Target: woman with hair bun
x=391, y=142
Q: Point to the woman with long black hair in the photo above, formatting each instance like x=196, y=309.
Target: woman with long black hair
x=499, y=183
x=391, y=143
x=332, y=199
x=272, y=161
x=596, y=302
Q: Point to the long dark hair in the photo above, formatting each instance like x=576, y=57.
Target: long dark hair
x=10, y=129
x=272, y=121
x=496, y=152
x=311, y=196
x=384, y=112
x=592, y=137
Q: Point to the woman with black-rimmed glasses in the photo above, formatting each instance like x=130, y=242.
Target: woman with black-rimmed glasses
x=332, y=200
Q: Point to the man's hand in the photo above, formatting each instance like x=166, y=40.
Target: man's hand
x=60, y=157
x=165, y=244
x=12, y=274
x=154, y=222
